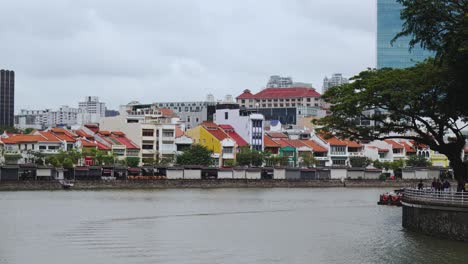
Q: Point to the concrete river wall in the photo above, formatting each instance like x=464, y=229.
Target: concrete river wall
x=184, y=183
x=441, y=214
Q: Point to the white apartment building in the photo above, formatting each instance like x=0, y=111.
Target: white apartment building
x=90, y=111
x=335, y=80
x=153, y=129
x=251, y=127
x=40, y=119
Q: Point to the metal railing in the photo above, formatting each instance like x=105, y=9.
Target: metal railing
x=429, y=196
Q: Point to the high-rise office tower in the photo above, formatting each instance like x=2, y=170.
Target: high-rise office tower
x=388, y=25
x=7, y=97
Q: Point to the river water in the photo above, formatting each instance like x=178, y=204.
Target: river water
x=212, y=226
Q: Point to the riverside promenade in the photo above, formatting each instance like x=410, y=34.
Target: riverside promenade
x=217, y=183
x=436, y=213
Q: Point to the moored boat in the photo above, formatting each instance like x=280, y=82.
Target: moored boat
x=391, y=198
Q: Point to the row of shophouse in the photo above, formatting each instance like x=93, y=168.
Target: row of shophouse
x=160, y=140
x=150, y=132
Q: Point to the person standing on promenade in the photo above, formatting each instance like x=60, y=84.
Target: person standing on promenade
x=434, y=184
x=420, y=185
x=446, y=186
x=438, y=185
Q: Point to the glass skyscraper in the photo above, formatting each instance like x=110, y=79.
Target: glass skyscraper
x=388, y=25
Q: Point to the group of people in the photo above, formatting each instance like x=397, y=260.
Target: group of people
x=437, y=185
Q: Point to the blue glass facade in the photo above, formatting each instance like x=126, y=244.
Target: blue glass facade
x=388, y=25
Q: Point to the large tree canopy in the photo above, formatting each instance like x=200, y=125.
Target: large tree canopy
x=410, y=103
x=441, y=26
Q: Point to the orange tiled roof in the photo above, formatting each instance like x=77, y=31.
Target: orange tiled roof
x=394, y=144
x=283, y=143
x=296, y=143
x=166, y=112
x=335, y=141
x=270, y=143
x=15, y=139
x=316, y=147
x=379, y=149
x=48, y=136
x=178, y=132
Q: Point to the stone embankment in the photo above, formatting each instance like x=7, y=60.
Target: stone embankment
x=220, y=183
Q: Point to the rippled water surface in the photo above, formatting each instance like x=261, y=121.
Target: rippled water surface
x=212, y=226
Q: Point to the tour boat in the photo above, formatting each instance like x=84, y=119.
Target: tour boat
x=391, y=198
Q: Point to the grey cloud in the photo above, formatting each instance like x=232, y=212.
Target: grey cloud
x=177, y=50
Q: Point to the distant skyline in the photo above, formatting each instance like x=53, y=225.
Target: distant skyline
x=63, y=50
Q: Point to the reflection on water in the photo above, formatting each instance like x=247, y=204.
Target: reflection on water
x=212, y=226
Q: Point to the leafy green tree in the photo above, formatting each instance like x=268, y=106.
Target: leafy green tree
x=67, y=163
x=54, y=161
x=418, y=161
x=8, y=129
x=28, y=130
x=149, y=161
x=196, y=155
x=229, y=163
x=359, y=162
x=407, y=103
x=441, y=26
x=132, y=161
x=307, y=160
x=249, y=157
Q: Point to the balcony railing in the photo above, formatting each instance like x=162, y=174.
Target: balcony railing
x=356, y=154
x=431, y=197
x=338, y=153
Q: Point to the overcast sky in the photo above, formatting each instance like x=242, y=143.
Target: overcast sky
x=175, y=50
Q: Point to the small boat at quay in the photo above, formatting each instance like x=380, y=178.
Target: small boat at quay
x=391, y=198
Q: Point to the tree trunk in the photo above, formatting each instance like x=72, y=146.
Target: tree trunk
x=454, y=154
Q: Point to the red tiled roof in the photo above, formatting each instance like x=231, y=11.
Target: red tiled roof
x=229, y=130
x=125, y=141
x=408, y=147
x=316, y=147
x=65, y=137
x=245, y=95
x=270, y=143
x=92, y=127
x=118, y=133
x=394, y=144
x=239, y=140
x=81, y=133
x=86, y=143
x=104, y=132
x=102, y=146
x=218, y=133
x=293, y=92
x=178, y=132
